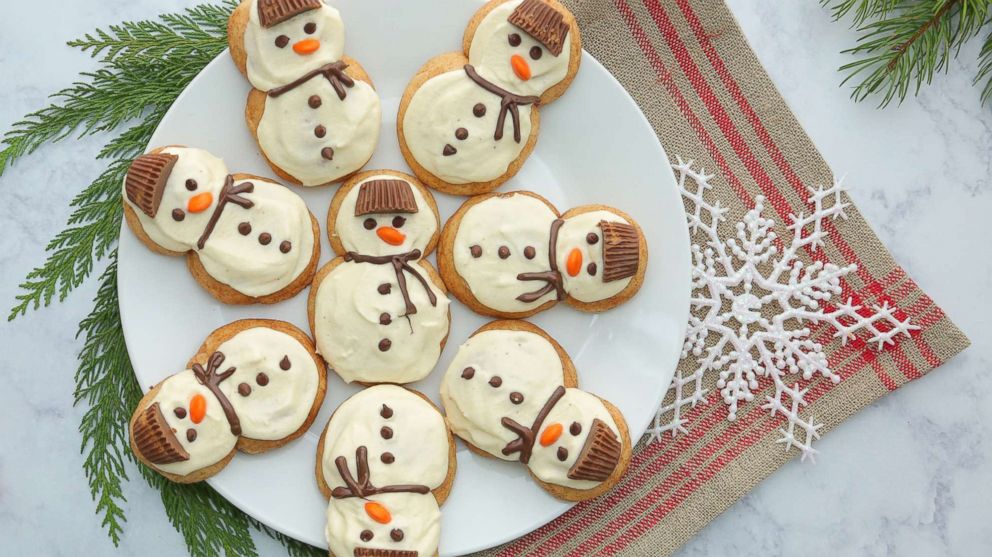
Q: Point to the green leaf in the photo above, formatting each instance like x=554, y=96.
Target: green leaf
x=985, y=69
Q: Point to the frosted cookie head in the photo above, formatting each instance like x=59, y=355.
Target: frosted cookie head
x=599, y=254
x=384, y=525
x=524, y=46
x=386, y=215
x=285, y=39
x=174, y=192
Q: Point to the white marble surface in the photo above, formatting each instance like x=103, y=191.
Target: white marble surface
x=908, y=476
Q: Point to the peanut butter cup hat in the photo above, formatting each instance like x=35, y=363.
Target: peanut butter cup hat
x=146, y=179
x=154, y=439
x=600, y=454
x=385, y=196
x=621, y=250
x=274, y=12
x=543, y=22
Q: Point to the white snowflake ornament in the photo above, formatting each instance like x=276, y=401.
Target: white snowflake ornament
x=753, y=307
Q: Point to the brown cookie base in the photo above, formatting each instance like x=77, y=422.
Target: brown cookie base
x=255, y=110
x=456, y=284
x=244, y=444
x=440, y=492
x=635, y=282
x=433, y=68
x=324, y=271
x=335, y=208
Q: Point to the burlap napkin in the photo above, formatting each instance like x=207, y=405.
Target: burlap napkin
x=691, y=71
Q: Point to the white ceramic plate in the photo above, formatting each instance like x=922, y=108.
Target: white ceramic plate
x=595, y=147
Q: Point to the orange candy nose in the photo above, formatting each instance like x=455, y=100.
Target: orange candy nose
x=520, y=67
x=306, y=46
x=378, y=512
x=200, y=202
x=550, y=434
x=197, y=408
x=574, y=262
x=391, y=236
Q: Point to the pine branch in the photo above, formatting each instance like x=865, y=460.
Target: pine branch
x=904, y=43
x=985, y=69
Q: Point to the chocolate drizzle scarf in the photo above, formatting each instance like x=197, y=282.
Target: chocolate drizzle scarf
x=524, y=443
x=333, y=72
x=228, y=194
x=552, y=278
x=401, y=265
x=510, y=103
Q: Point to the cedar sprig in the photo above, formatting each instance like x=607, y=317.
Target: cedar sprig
x=143, y=68
x=905, y=43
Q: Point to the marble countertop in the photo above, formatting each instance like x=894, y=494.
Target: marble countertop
x=908, y=476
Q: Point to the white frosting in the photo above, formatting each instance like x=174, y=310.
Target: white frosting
x=214, y=439
x=418, y=227
x=525, y=362
x=193, y=164
x=490, y=53
x=270, y=66
x=238, y=260
x=576, y=406
x=268, y=413
x=419, y=442
x=286, y=131
x=347, y=326
x=444, y=104
x=416, y=516
x=572, y=235
x=515, y=221
x=241, y=261
x=282, y=405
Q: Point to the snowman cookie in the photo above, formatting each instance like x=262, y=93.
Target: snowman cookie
x=254, y=386
x=469, y=120
x=386, y=462
x=246, y=239
x=511, y=393
x=512, y=255
x=313, y=111
x=379, y=312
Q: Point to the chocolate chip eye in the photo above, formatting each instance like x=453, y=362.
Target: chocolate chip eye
x=191, y=184
x=367, y=535
x=310, y=28
x=282, y=41
x=178, y=215
x=514, y=39
x=398, y=222
x=592, y=239
x=536, y=53
x=369, y=224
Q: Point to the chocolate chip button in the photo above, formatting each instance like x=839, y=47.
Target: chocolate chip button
x=180, y=413
x=386, y=432
x=385, y=288
x=244, y=389
x=285, y=246
x=479, y=110
x=191, y=435
x=496, y=381
x=530, y=252
x=262, y=379
x=320, y=131
x=476, y=251
x=387, y=458
x=386, y=412
x=468, y=373
x=516, y=398
x=504, y=252
x=385, y=344
x=284, y=363
x=385, y=319
x=461, y=134
x=327, y=153
x=314, y=101
x=244, y=228
x=264, y=238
